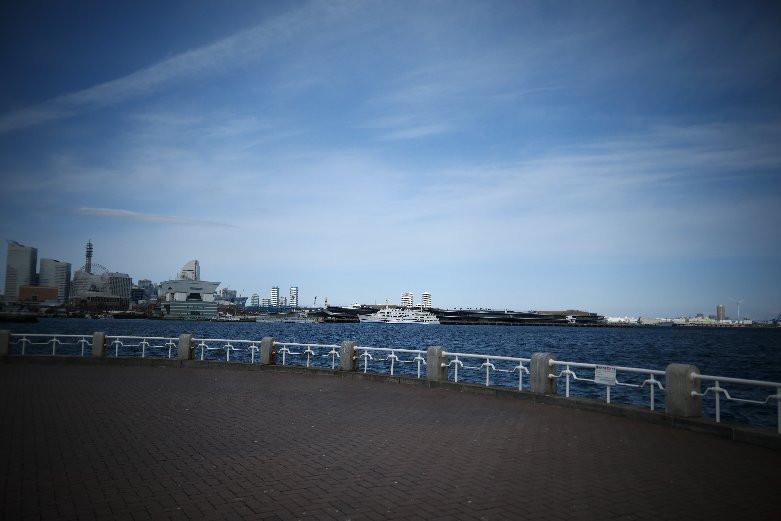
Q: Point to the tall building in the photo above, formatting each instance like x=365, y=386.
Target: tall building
x=19, y=269
x=407, y=300
x=119, y=284
x=721, y=313
x=294, y=296
x=188, y=297
x=425, y=300
x=56, y=274
x=275, y=296
x=255, y=301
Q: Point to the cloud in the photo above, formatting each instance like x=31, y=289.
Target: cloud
x=149, y=217
x=229, y=52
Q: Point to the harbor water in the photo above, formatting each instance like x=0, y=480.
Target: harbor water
x=739, y=353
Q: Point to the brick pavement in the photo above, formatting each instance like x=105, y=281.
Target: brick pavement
x=119, y=442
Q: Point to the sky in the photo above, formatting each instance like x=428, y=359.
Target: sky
x=617, y=157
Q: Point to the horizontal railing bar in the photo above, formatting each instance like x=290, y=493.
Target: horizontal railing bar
x=616, y=367
x=394, y=349
x=491, y=357
x=726, y=379
x=20, y=335
x=226, y=340
x=297, y=344
x=144, y=337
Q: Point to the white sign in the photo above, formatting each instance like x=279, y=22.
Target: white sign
x=605, y=375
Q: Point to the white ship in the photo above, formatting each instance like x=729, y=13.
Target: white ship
x=400, y=316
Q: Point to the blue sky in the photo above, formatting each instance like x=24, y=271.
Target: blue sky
x=619, y=157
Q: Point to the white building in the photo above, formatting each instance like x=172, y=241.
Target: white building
x=56, y=274
x=425, y=300
x=294, y=296
x=189, y=297
x=275, y=296
x=407, y=300
x=19, y=269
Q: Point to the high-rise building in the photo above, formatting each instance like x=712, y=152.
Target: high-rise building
x=19, y=269
x=255, y=300
x=425, y=300
x=721, y=313
x=56, y=274
x=119, y=284
x=265, y=303
x=407, y=300
x=294, y=296
x=275, y=296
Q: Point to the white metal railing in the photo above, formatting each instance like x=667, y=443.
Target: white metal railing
x=54, y=341
x=284, y=349
x=607, y=380
x=603, y=375
x=253, y=346
x=717, y=390
x=142, y=342
x=390, y=354
x=487, y=365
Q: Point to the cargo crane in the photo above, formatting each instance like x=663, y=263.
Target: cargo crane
x=777, y=320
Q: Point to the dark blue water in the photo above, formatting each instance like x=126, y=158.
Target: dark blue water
x=741, y=353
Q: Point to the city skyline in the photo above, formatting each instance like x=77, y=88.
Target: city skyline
x=620, y=158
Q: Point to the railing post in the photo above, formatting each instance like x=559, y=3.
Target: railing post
x=434, y=361
x=185, y=351
x=347, y=356
x=98, y=344
x=267, y=354
x=540, y=369
x=679, y=386
x=5, y=342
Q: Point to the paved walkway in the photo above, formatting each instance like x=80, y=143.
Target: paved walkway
x=120, y=442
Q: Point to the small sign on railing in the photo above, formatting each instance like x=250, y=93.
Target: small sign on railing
x=605, y=375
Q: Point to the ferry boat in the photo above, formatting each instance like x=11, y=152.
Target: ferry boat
x=400, y=316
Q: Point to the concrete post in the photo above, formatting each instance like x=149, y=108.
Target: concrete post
x=5, y=342
x=99, y=344
x=185, y=351
x=267, y=354
x=347, y=358
x=678, y=391
x=540, y=368
x=434, y=360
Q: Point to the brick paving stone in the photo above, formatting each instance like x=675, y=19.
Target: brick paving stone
x=121, y=442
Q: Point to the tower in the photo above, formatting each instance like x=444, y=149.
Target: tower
x=275, y=296
x=20, y=266
x=56, y=274
x=720, y=313
x=293, y=296
x=88, y=260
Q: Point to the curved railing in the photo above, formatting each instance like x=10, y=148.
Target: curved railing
x=492, y=370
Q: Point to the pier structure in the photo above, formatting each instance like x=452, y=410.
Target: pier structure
x=102, y=436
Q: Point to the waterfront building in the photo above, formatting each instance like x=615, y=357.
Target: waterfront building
x=189, y=298
x=721, y=313
x=407, y=300
x=255, y=301
x=265, y=303
x=275, y=296
x=38, y=295
x=294, y=296
x=56, y=274
x=425, y=300
x=20, y=266
x=150, y=291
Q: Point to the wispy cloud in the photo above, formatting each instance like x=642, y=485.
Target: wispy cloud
x=148, y=217
x=229, y=52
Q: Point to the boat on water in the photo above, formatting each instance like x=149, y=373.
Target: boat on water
x=389, y=315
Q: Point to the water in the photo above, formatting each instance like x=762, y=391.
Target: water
x=740, y=353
